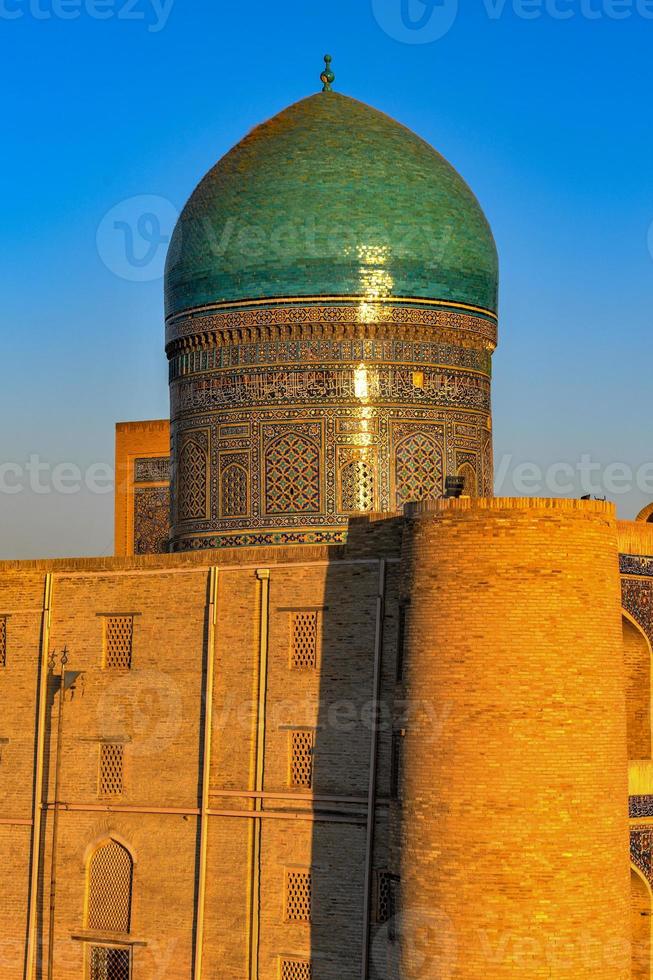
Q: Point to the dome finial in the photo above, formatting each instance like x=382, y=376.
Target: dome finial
x=327, y=76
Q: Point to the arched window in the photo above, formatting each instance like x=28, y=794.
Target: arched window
x=640, y=898
x=110, y=880
x=233, y=491
x=191, y=490
x=418, y=469
x=357, y=487
x=292, y=475
x=468, y=474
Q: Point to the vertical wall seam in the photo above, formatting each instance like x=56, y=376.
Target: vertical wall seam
x=374, y=752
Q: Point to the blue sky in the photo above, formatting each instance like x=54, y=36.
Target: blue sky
x=548, y=118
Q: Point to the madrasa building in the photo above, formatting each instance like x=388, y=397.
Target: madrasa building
x=332, y=712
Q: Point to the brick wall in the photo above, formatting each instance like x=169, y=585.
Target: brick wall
x=513, y=830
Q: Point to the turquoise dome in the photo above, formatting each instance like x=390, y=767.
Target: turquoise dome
x=331, y=198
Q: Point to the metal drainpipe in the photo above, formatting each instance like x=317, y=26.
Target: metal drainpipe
x=374, y=753
x=206, y=769
x=37, y=814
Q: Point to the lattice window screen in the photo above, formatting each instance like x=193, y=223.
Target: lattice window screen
x=301, y=764
x=118, y=642
x=110, y=889
x=468, y=474
x=357, y=487
x=3, y=641
x=383, y=896
x=234, y=491
x=110, y=964
x=296, y=970
x=303, y=640
x=298, y=896
x=111, y=769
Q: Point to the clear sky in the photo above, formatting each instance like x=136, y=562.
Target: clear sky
x=543, y=105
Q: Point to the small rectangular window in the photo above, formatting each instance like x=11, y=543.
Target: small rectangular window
x=111, y=769
x=118, y=642
x=296, y=970
x=299, y=887
x=303, y=640
x=302, y=750
x=110, y=963
x=3, y=641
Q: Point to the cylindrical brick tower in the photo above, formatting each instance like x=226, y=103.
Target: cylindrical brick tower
x=331, y=312
x=511, y=830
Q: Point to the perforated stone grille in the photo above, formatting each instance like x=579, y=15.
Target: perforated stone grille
x=234, y=491
x=418, y=469
x=303, y=640
x=383, y=896
x=118, y=643
x=192, y=483
x=111, y=769
x=298, y=896
x=301, y=769
x=296, y=970
x=110, y=889
x=109, y=964
x=357, y=487
x=3, y=641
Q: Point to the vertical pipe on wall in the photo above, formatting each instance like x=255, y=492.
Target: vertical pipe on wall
x=374, y=752
x=206, y=768
x=55, y=814
x=263, y=575
x=37, y=815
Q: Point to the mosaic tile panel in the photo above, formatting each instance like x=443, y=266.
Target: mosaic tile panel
x=637, y=599
x=151, y=520
x=322, y=435
x=641, y=850
x=640, y=806
x=636, y=565
x=152, y=470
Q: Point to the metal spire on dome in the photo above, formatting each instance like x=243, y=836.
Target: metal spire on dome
x=327, y=76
